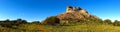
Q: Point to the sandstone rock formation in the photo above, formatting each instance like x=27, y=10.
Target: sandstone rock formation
x=73, y=13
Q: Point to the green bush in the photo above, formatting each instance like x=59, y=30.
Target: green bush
x=116, y=23
x=36, y=22
x=107, y=21
x=9, y=24
x=53, y=20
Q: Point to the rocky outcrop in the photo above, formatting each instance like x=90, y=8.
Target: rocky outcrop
x=73, y=13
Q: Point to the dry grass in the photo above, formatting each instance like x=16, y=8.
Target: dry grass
x=83, y=28
x=73, y=28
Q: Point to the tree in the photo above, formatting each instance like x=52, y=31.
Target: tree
x=116, y=23
x=19, y=19
x=36, y=22
x=24, y=21
x=7, y=20
x=107, y=21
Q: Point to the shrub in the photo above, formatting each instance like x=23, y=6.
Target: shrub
x=116, y=23
x=9, y=24
x=53, y=20
x=107, y=21
x=36, y=22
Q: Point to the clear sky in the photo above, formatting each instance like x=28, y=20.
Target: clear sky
x=32, y=10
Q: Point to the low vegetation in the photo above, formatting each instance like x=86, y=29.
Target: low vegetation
x=52, y=24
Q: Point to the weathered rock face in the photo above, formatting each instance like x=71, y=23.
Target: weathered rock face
x=73, y=13
x=66, y=16
x=83, y=11
x=70, y=9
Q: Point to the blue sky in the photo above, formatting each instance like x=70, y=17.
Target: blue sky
x=32, y=10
